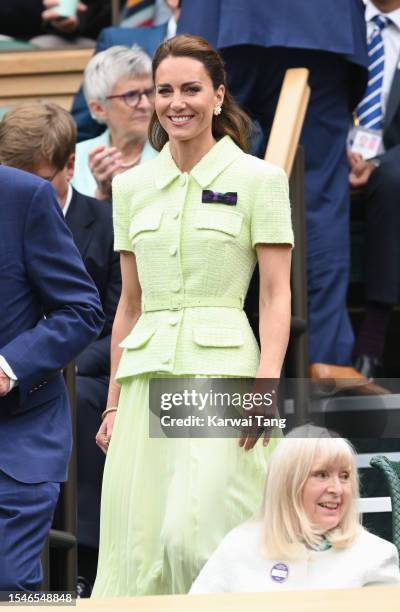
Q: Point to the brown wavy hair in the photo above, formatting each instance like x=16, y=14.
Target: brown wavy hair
x=232, y=121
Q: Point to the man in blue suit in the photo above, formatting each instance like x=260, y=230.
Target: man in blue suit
x=147, y=38
x=259, y=42
x=49, y=311
x=50, y=154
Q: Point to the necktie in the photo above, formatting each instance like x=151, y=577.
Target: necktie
x=369, y=111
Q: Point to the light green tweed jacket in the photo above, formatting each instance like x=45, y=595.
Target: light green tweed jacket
x=195, y=260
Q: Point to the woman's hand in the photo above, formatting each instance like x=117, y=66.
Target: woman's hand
x=103, y=436
x=263, y=408
x=66, y=25
x=104, y=163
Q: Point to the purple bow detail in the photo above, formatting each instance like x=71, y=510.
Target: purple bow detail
x=213, y=197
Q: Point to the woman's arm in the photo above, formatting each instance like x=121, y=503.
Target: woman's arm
x=274, y=307
x=128, y=312
x=274, y=326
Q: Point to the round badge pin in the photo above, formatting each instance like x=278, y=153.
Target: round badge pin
x=279, y=572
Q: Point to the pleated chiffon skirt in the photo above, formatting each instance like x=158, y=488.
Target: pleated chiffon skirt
x=167, y=503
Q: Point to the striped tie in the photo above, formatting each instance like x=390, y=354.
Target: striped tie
x=369, y=111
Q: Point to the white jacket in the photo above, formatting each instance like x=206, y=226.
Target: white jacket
x=238, y=566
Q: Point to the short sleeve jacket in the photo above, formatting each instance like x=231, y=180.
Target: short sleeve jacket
x=194, y=236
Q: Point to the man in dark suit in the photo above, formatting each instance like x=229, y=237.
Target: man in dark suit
x=50, y=154
x=49, y=312
x=259, y=42
x=147, y=38
x=377, y=181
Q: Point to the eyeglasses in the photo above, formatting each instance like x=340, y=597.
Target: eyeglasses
x=132, y=98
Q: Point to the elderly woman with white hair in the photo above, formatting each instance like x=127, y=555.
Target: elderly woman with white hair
x=119, y=91
x=309, y=536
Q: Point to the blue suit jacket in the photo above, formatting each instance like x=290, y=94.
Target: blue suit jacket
x=337, y=26
x=49, y=312
x=147, y=38
x=326, y=25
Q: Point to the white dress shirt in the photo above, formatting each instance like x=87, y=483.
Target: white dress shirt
x=391, y=43
x=171, y=28
x=67, y=200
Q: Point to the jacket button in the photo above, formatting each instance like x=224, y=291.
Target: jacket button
x=173, y=320
x=175, y=214
x=166, y=360
x=173, y=250
x=176, y=287
x=183, y=180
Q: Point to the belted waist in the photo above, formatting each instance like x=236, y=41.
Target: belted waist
x=178, y=303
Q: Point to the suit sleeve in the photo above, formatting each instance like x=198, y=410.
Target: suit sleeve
x=95, y=359
x=72, y=315
x=392, y=155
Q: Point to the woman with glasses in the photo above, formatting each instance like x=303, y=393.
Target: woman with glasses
x=120, y=94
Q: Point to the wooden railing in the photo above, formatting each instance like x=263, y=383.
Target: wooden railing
x=283, y=150
x=41, y=74
x=289, y=118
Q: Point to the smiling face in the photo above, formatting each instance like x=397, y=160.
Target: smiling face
x=185, y=100
x=327, y=493
x=118, y=116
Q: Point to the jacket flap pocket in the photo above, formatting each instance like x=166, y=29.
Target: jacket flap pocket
x=218, y=337
x=146, y=221
x=225, y=221
x=137, y=338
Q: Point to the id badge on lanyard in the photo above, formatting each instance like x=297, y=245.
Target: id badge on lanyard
x=366, y=142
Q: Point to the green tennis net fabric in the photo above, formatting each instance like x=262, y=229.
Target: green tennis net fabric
x=391, y=472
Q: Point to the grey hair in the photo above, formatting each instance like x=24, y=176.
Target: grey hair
x=106, y=68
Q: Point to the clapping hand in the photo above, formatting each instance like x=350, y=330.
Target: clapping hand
x=66, y=25
x=104, y=163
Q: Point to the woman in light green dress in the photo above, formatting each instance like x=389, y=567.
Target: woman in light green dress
x=190, y=226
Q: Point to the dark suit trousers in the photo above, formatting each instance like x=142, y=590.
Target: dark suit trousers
x=381, y=200
x=255, y=76
x=26, y=514
x=91, y=395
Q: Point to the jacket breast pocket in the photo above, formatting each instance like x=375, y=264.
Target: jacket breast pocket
x=145, y=223
x=218, y=337
x=225, y=222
